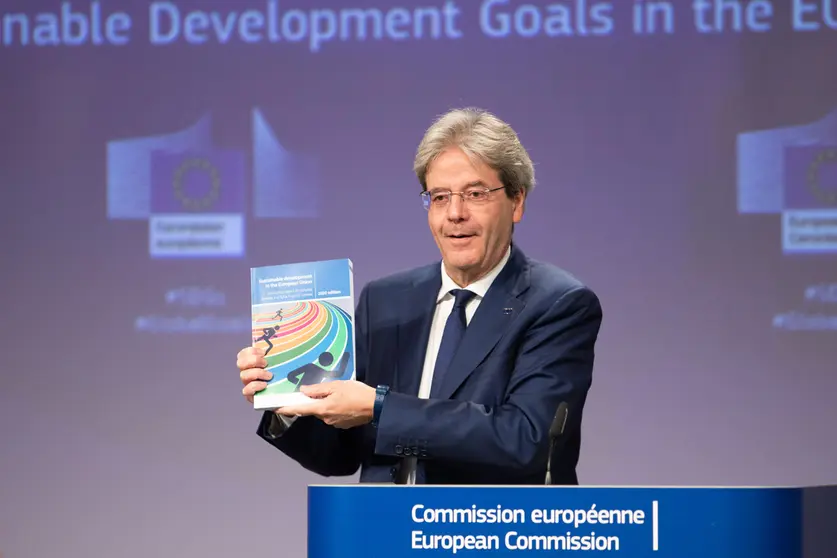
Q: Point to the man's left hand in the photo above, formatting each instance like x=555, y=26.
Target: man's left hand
x=343, y=404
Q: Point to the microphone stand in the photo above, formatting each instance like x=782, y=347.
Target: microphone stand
x=555, y=432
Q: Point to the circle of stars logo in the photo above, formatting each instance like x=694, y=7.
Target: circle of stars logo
x=207, y=200
x=826, y=196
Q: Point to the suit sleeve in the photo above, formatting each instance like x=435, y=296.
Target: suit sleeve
x=318, y=447
x=554, y=364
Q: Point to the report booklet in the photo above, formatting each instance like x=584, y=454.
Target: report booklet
x=303, y=318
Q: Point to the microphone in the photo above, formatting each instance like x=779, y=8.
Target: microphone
x=555, y=432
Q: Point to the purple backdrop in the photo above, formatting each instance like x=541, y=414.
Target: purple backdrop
x=661, y=170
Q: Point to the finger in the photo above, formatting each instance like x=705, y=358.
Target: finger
x=250, y=357
x=338, y=421
x=318, y=391
x=253, y=388
x=254, y=374
x=304, y=410
x=290, y=411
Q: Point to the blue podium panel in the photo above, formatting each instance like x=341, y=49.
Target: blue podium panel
x=386, y=521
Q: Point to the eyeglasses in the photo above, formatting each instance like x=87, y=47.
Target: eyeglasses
x=438, y=199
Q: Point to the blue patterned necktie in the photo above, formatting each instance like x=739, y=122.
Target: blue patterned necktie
x=454, y=329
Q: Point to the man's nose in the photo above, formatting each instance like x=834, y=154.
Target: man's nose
x=457, y=208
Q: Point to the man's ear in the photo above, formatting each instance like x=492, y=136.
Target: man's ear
x=519, y=201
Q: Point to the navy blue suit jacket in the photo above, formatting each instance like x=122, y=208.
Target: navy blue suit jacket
x=528, y=347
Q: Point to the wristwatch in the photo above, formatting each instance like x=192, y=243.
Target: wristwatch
x=380, y=394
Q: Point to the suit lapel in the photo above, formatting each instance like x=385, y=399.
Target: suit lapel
x=496, y=311
x=414, y=332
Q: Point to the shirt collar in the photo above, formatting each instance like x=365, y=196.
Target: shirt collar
x=479, y=287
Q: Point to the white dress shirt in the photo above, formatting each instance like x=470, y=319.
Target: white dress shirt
x=444, y=306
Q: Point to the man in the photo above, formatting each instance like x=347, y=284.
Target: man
x=460, y=366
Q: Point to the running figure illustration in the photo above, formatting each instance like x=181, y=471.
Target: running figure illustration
x=269, y=333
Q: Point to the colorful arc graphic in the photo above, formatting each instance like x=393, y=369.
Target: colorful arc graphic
x=306, y=330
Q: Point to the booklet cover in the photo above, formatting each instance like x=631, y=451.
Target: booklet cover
x=303, y=317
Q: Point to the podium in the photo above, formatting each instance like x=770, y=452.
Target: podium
x=389, y=521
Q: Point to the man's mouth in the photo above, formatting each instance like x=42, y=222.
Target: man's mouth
x=460, y=235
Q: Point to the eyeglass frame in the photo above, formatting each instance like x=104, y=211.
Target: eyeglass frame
x=427, y=202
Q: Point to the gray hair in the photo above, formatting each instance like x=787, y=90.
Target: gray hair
x=480, y=135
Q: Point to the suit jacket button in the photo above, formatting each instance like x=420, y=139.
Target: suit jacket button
x=399, y=450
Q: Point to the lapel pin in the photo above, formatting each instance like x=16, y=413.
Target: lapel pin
x=507, y=310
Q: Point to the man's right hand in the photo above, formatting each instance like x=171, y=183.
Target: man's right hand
x=251, y=365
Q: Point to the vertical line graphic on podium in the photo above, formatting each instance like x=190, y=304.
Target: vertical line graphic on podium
x=655, y=528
